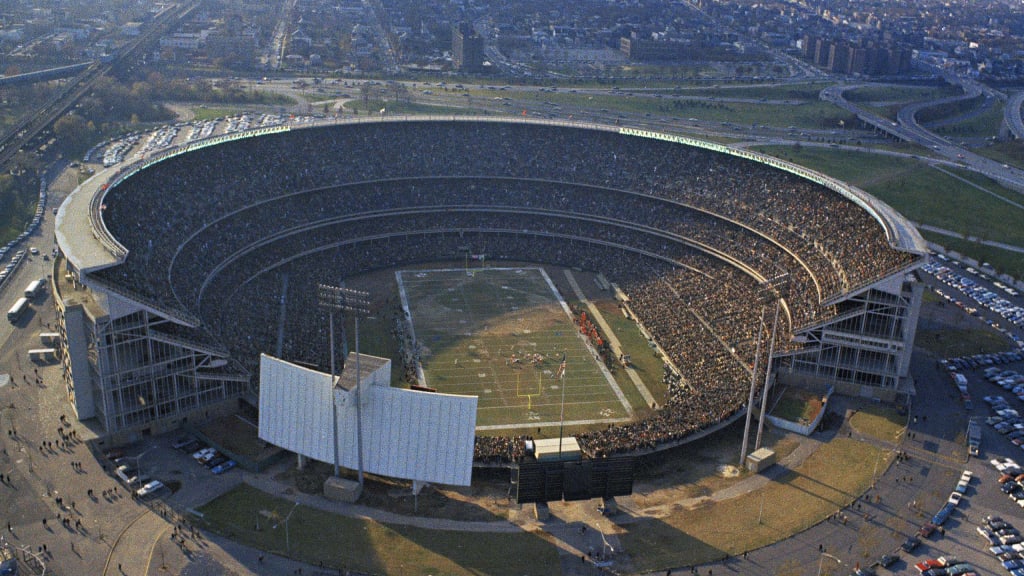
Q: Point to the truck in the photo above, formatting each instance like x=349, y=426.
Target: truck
x=973, y=437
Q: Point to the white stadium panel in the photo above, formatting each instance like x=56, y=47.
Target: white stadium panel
x=295, y=408
x=422, y=436
x=414, y=435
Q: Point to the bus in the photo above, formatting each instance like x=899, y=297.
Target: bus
x=17, y=310
x=49, y=339
x=34, y=288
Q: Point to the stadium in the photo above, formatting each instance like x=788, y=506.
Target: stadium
x=178, y=271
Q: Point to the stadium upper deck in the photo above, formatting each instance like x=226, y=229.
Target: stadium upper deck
x=89, y=245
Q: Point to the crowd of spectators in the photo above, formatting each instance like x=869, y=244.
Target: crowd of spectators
x=685, y=232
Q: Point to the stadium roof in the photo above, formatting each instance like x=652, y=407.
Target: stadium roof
x=75, y=231
x=367, y=365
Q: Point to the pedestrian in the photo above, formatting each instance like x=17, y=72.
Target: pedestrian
x=44, y=522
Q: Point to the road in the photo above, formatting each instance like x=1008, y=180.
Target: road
x=1012, y=115
x=908, y=129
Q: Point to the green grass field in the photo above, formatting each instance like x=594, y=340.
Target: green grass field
x=368, y=546
x=903, y=94
x=468, y=327
x=795, y=501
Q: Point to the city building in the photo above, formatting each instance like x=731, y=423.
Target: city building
x=467, y=49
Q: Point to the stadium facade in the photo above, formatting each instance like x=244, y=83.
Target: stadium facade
x=146, y=299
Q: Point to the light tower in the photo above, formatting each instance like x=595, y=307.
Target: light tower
x=355, y=303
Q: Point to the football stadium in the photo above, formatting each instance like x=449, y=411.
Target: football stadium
x=178, y=272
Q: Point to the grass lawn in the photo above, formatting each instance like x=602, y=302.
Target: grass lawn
x=904, y=94
x=208, y=113
x=878, y=421
x=808, y=91
x=827, y=481
x=797, y=405
x=948, y=343
x=1010, y=152
x=988, y=184
x=813, y=114
x=395, y=107
x=984, y=124
x=368, y=546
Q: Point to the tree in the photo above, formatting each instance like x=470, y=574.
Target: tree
x=73, y=133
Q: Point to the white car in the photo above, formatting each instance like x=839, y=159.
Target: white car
x=954, y=498
x=149, y=488
x=966, y=476
x=1002, y=464
x=204, y=453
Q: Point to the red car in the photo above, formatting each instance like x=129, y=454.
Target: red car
x=928, y=565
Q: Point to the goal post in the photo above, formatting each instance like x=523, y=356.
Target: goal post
x=529, y=393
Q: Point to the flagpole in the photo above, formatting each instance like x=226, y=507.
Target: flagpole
x=561, y=416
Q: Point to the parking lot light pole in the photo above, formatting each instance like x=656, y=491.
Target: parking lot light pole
x=287, y=534
x=138, y=460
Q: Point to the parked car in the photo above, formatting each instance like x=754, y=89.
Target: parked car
x=888, y=560
x=216, y=461
x=183, y=442
x=224, y=467
x=149, y=488
x=192, y=447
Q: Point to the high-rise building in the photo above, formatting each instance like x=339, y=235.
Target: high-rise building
x=467, y=48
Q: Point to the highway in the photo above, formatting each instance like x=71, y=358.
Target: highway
x=1011, y=115
x=29, y=126
x=907, y=128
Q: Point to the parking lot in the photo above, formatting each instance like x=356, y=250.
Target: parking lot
x=963, y=533
x=186, y=481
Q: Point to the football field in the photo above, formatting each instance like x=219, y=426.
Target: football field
x=501, y=334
